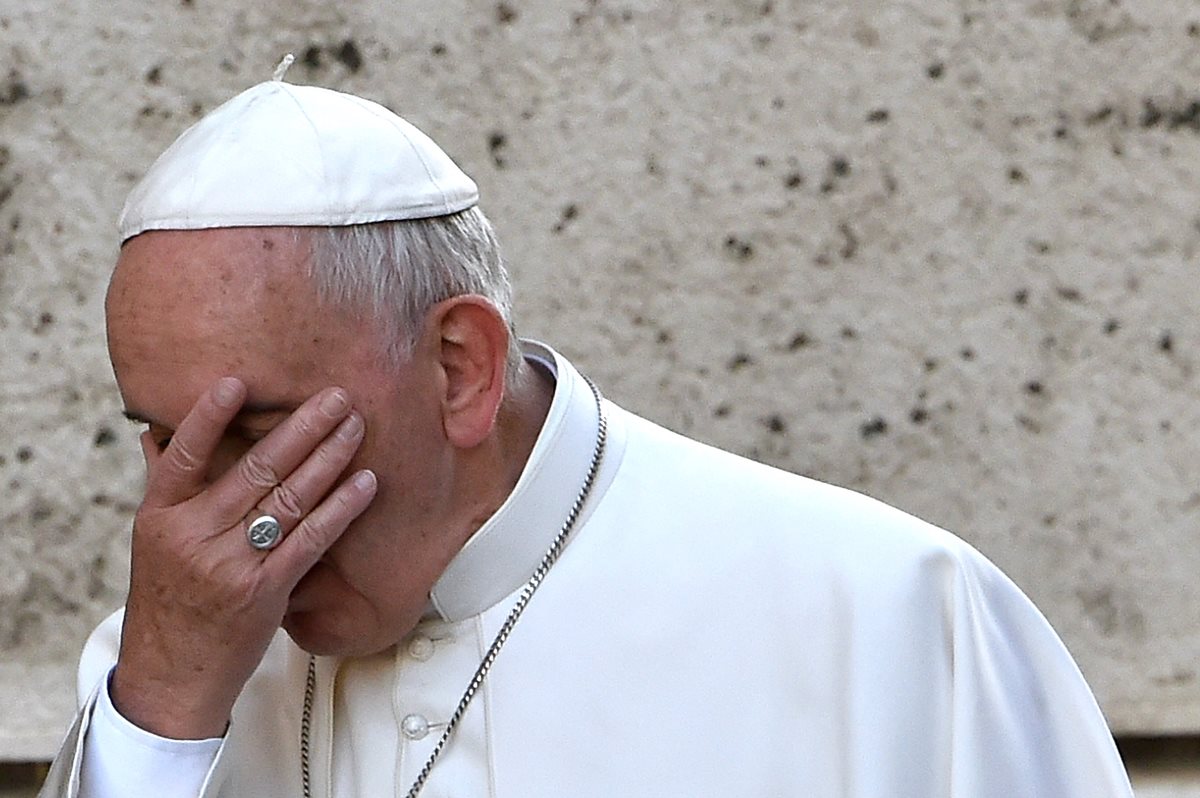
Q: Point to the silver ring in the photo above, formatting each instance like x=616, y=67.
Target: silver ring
x=264, y=532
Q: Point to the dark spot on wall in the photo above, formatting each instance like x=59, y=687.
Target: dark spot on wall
x=24, y=454
x=839, y=166
x=766, y=8
x=1029, y=424
x=799, y=341
x=918, y=415
x=1068, y=293
x=496, y=144
x=40, y=511
x=1016, y=174
x=849, y=246
x=775, y=424
x=1021, y=296
x=101, y=500
x=268, y=244
x=1151, y=116
x=1099, y=605
x=1176, y=678
x=721, y=411
x=349, y=56
x=1099, y=115
x=312, y=57
x=777, y=103
x=848, y=333
x=197, y=110
x=505, y=14
x=568, y=213
x=966, y=353
x=739, y=248
x=1166, y=343
x=438, y=49
x=1111, y=326
x=879, y=116
x=14, y=89
x=1034, y=387
x=44, y=321
x=104, y=437
x=154, y=75
x=1183, y=114
x=739, y=362
x=663, y=337
x=875, y=426
x=1061, y=132
x=1040, y=247
x=936, y=70
x=1193, y=30
x=793, y=180
x=762, y=161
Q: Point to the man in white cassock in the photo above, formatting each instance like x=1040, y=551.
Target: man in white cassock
x=387, y=548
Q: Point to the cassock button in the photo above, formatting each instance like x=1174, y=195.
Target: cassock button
x=414, y=727
x=420, y=648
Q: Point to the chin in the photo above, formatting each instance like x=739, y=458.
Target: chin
x=323, y=635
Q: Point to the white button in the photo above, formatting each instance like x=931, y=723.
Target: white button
x=414, y=727
x=420, y=648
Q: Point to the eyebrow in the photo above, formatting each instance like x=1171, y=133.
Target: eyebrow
x=252, y=409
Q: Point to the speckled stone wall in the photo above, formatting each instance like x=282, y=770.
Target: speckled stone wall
x=943, y=252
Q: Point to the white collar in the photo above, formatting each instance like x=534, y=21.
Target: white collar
x=503, y=553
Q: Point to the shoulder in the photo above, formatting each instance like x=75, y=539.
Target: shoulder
x=706, y=489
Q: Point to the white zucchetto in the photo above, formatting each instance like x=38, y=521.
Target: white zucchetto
x=281, y=154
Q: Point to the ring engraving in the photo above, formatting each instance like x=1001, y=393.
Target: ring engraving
x=264, y=532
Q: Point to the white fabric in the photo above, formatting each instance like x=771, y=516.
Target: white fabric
x=131, y=761
x=281, y=154
x=717, y=627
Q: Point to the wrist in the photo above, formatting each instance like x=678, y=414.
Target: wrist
x=167, y=710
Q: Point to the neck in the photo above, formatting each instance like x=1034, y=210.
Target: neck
x=492, y=470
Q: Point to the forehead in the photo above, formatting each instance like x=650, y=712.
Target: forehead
x=187, y=307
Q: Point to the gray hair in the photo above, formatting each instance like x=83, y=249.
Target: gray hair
x=396, y=271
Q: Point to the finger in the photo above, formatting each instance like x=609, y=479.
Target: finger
x=272, y=459
x=180, y=472
x=301, y=491
x=320, y=529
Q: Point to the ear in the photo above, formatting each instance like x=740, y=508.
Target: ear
x=471, y=346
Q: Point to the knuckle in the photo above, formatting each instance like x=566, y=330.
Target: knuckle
x=256, y=472
x=309, y=539
x=182, y=457
x=304, y=426
x=288, y=503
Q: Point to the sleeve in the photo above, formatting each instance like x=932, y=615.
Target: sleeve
x=104, y=755
x=1023, y=722
x=121, y=759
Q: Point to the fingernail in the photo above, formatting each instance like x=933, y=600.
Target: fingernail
x=335, y=402
x=227, y=392
x=365, y=480
x=349, y=429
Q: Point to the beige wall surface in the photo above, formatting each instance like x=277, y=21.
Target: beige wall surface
x=943, y=252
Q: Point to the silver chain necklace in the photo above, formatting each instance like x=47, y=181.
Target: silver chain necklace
x=489, y=657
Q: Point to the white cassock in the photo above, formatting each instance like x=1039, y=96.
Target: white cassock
x=715, y=627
